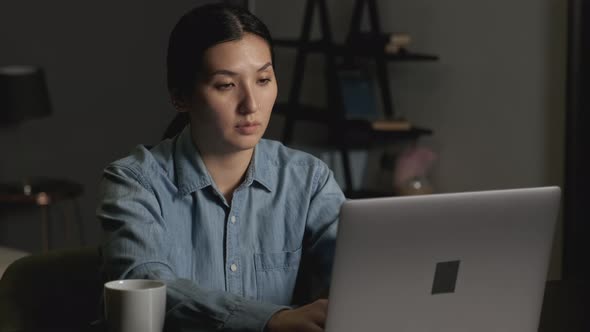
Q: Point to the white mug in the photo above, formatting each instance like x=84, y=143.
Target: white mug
x=135, y=305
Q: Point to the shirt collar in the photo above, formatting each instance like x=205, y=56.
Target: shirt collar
x=192, y=174
x=261, y=169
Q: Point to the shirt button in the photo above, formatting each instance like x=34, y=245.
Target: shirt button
x=233, y=219
x=234, y=267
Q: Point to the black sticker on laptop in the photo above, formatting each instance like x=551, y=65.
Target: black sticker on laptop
x=445, y=277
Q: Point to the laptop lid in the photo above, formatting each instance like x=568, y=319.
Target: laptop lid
x=474, y=261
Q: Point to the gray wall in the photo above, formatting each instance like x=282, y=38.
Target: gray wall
x=495, y=99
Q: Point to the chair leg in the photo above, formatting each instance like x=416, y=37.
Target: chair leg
x=45, y=227
x=68, y=223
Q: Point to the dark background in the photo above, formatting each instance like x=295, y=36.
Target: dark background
x=495, y=100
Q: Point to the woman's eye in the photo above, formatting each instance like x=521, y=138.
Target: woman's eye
x=225, y=86
x=264, y=81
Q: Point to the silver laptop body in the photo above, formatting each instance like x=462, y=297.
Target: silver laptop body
x=474, y=261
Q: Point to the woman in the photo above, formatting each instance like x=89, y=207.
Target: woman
x=240, y=228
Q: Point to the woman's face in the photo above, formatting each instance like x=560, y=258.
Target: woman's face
x=234, y=96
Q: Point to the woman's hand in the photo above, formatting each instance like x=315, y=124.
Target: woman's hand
x=308, y=318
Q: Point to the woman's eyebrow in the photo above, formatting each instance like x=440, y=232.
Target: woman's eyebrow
x=233, y=73
x=224, y=72
x=268, y=64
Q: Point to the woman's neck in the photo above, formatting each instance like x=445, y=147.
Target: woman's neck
x=227, y=169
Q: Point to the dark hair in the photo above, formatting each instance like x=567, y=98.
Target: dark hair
x=198, y=30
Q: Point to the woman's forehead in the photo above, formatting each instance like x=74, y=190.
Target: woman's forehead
x=250, y=52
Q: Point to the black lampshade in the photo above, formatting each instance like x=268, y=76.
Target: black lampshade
x=23, y=94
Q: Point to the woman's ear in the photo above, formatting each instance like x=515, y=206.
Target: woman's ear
x=178, y=101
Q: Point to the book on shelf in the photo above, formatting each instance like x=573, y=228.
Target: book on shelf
x=359, y=97
x=391, y=125
x=400, y=39
x=394, y=49
x=360, y=100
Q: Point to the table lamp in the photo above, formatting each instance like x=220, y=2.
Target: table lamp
x=23, y=94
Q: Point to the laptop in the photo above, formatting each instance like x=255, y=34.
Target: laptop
x=474, y=261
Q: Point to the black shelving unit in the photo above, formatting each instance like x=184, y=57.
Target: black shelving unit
x=344, y=134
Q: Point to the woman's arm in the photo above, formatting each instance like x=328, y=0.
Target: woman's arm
x=319, y=245
x=321, y=227
x=138, y=246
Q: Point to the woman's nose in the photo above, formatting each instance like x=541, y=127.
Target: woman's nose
x=249, y=102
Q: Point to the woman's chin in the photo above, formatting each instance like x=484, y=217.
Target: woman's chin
x=245, y=143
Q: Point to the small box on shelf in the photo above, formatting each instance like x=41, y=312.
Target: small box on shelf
x=391, y=125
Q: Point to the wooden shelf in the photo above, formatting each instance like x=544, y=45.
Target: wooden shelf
x=306, y=112
x=361, y=136
x=353, y=134
x=320, y=46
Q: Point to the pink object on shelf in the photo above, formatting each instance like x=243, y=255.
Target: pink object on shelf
x=414, y=162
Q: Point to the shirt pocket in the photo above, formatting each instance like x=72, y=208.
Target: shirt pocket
x=276, y=274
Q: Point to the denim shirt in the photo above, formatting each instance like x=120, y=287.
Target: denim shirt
x=227, y=265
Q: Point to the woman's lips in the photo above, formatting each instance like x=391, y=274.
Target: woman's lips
x=248, y=128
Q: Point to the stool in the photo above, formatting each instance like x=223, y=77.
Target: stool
x=43, y=193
